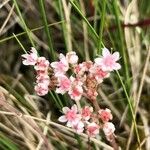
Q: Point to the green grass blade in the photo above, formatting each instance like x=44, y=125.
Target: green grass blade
x=84, y=18
x=47, y=30
x=63, y=24
x=20, y=43
x=23, y=22
x=101, y=26
x=123, y=52
x=7, y=142
x=32, y=30
x=130, y=107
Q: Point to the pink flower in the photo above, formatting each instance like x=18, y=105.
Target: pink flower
x=86, y=112
x=70, y=116
x=105, y=115
x=72, y=57
x=108, y=128
x=98, y=73
x=42, y=64
x=63, y=84
x=92, y=129
x=41, y=89
x=44, y=79
x=31, y=58
x=76, y=89
x=108, y=61
x=60, y=67
x=78, y=126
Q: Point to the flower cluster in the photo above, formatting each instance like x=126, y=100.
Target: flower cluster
x=83, y=82
x=41, y=65
x=88, y=121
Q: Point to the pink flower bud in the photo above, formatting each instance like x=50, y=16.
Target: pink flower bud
x=108, y=129
x=92, y=129
x=86, y=112
x=72, y=58
x=105, y=115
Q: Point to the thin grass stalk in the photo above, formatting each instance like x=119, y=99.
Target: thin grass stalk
x=23, y=22
x=32, y=30
x=63, y=23
x=7, y=19
x=95, y=14
x=85, y=32
x=101, y=26
x=19, y=43
x=139, y=93
x=131, y=107
x=59, y=100
x=47, y=30
x=55, y=100
x=67, y=10
x=116, y=11
x=59, y=126
x=87, y=22
x=84, y=18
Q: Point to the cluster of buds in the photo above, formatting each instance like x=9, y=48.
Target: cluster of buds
x=83, y=82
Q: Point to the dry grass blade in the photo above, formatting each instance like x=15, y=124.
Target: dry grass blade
x=7, y=19
x=58, y=126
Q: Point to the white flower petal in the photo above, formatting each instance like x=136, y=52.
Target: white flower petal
x=65, y=110
x=33, y=50
x=117, y=66
x=62, y=118
x=69, y=124
x=105, y=52
x=61, y=56
x=74, y=107
x=59, y=90
x=54, y=64
x=25, y=55
x=116, y=56
x=98, y=61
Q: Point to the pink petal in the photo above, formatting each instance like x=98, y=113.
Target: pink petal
x=62, y=119
x=105, y=52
